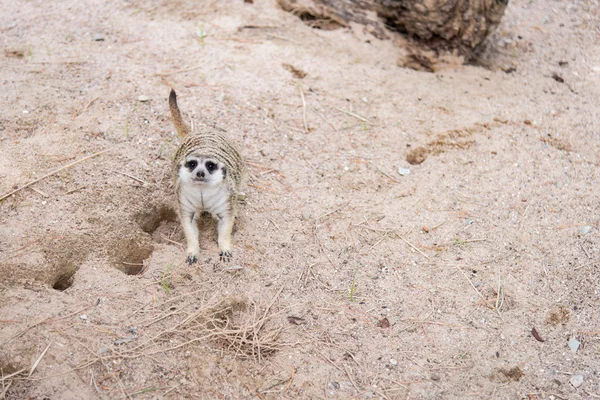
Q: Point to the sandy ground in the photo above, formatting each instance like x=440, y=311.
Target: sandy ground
x=349, y=280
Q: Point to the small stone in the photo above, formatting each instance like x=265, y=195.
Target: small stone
x=83, y=317
x=574, y=344
x=546, y=19
x=143, y=98
x=393, y=362
x=333, y=385
x=98, y=37
x=241, y=196
x=403, y=171
x=584, y=230
x=305, y=215
x=434, y=377
x=122, y=341
x=368, y=395
x=576, y=380
x=103, y=350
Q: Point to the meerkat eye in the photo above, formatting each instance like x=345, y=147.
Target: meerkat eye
x=191, y=164
x=211, y=166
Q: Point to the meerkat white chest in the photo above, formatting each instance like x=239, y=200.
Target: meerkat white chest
x=196, y=198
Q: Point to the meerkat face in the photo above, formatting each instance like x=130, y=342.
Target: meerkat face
x=202, y=171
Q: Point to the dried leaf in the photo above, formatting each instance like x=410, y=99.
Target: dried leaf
x=383, y=323
x=558, y=78
x=296, y=320
x=297, y=72
x=536, y=335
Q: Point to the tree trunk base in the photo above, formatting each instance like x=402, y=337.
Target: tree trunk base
x=432, y=27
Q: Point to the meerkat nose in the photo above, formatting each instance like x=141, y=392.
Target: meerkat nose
x=200, y=174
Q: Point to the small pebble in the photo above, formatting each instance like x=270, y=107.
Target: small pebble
x=403, y=171
x=368, y=395
x=333, y=385
x=305, y=215
x=143, y=98
x=393, y=362
x=98, y=37
x=122, y=341
x=576, y=380
x=103, y=350
x=83, y=317
x=574, y=344
x=584, y=230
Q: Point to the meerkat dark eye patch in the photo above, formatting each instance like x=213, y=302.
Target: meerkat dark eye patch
x=191, y=164
x=211, y=166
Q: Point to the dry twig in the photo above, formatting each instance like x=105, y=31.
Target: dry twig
x=414, y=247
x=52, y=173
x=130, y=176
x=384, y=173
x=282, y=38
x=471, y=282
x=350, y=113
x=164, y=74
x=35, y=364
x=303, y=109
x=79, y=112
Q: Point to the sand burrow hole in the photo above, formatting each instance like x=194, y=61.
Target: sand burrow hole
x=131, y=244
x=64, y=255
x=160, y=222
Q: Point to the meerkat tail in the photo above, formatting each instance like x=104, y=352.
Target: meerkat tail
x=180, y=126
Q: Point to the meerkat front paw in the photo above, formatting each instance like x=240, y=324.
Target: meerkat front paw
x=192, y=259
x=225, y=256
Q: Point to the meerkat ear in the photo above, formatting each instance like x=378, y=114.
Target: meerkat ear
x=224, y=171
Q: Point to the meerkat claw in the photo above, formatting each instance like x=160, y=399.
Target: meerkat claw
x=225, y=256
x=192, y=260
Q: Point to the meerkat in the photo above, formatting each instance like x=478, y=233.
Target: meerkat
x=209, y=173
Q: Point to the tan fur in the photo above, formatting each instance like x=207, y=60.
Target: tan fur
x=207, y=143
x=180, y=126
